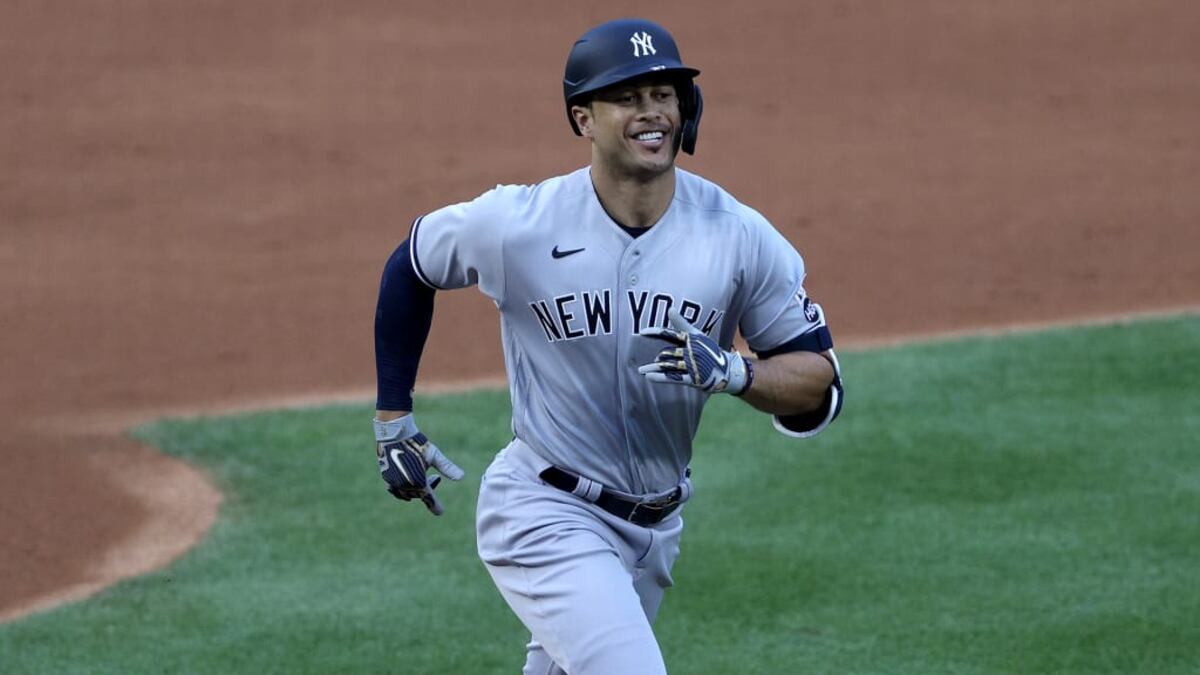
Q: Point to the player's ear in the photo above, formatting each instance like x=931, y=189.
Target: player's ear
x=583, y=119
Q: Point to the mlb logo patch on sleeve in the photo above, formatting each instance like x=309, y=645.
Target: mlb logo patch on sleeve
x=811, y=311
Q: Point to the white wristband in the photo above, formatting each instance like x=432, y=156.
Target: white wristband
x=737, y=379
x=401, y=427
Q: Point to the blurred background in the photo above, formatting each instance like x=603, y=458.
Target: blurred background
x=196, y=199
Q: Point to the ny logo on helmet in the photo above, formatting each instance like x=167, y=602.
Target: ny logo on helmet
x=643, y=44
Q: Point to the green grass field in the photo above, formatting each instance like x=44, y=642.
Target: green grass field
x=1018, y=504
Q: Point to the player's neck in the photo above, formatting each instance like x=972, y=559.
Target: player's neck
x=634, y=202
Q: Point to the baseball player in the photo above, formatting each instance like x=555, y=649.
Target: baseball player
x=620, y=288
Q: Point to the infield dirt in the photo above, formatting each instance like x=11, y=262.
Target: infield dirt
x=196, y=201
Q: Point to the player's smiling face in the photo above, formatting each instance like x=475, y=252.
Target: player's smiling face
x=633, y=127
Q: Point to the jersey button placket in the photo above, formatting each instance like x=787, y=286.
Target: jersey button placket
x=633, y=280
x=630, y=378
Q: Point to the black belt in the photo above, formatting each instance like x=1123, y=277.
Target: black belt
x=644, y=513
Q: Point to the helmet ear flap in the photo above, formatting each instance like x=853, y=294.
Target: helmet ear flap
x=690, y=110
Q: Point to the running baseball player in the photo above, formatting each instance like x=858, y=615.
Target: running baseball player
x=620, y=288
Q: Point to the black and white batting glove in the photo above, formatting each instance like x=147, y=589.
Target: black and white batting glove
x=696, y=360
x=405, y=454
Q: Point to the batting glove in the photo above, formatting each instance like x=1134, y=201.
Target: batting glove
x=696, y=360
x=404, y=455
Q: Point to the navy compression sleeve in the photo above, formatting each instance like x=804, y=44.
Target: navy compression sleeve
x=402, y=319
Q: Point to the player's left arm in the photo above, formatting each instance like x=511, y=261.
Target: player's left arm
x=791, y=384
x=795, y=377
x=798, y=382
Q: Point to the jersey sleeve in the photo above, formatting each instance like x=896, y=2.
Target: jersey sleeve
x=462, y=245
x=779, y=316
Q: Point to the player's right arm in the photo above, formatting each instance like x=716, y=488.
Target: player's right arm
x=452, y=247
x=403, y=315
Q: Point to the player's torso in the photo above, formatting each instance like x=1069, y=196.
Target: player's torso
x=573, y=276
x=577, y=290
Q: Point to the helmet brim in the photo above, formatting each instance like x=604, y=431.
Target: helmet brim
x=627, y=72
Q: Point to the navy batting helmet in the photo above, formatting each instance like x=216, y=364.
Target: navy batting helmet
x=622, y=50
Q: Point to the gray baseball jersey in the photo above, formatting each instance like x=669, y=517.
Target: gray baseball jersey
x=574, y=288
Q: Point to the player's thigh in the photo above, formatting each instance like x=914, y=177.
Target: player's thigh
x=538, y=662
x=652, y=573
x=584, y=612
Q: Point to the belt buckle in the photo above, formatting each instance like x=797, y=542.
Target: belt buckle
x=657, y=510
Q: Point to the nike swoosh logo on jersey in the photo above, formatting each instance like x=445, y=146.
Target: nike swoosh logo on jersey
x=562, y=254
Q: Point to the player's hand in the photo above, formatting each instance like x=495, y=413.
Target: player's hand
x=405, y=455
x=694, y=359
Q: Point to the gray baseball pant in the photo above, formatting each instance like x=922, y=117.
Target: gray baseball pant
x=586, y=584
